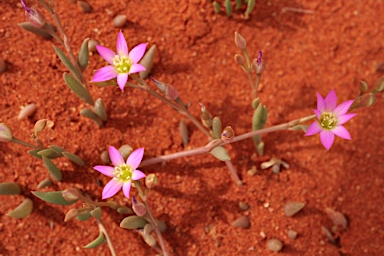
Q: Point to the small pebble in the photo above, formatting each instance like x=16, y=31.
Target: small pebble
x=337, y=218
x=292, y=208
x=242, y=222
x=119, y=20
x=27, y=111
x=105, y=157
x=243, y=206
x=3, y=65
x=85, y=7
x=292, y=234
x=274, y=245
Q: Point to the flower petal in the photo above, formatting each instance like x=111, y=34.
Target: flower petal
x=137, y=52
x=127, y=188
x=313, y=129
x=136, y=68
x=342, y=119
x=106, y=170
x=122, y=80
x=104, y=74
x=136, y=175
x=106, y=53
x=111, y=188
x=330, y=101
x=320, y=102
x=121, y=45
x=135, y=157
x=318, y=113
x=327, y=138
x=342, y=108
x=342, y=132
x=115, y=156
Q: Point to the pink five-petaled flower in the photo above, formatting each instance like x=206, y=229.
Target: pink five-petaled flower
x=123, y=173
x=330, y=119
x=121, y=64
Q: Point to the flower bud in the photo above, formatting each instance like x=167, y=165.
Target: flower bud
x=151, y=181
x=71, y=194
x=240, y=41
x=258, y=64
x=239, y=59
x=228, y=134
x=138, y=208
x=171, y=93
x=5, y=133
x=34, y=16
x=160, y=85
x=39, y=126
x=206, y=117
x=71, y=214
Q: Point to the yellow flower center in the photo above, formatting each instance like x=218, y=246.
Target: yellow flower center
x=122, y=64
x=123, y=173
x=328, y=120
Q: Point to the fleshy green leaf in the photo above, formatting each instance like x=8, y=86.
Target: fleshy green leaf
x=133, y=222
x=57, y=149
x=9, y=188
x=66, y=62
x=38, y=31
x=44, y=183
x=250, y=6
x=98, y=241
x=49, y=153
x=97, y=212
x=33, y=152
x=52, y=169
x=228, y=7
x=216, y=127
x=183, y=129
x=238, y=4
x=54, y=197
x=91, y=115
x=78, y=89
x=74, y=158
x=220, y=153
x=83, y=55
x=216, y=7
x=84, y=216
x=23, y=210
x=99, y=109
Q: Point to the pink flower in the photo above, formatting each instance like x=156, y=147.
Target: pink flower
x=121, y=64
x=123, y=173
x=330, y=119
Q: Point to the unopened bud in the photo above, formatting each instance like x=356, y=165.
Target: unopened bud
x=39, y=126
x=138, y=208
x=228, y=134
x=151, y=181
x=71, y=214
x=239, y=59
x=206, y=117
x=171, y=93
x=5, y=133
x=34, y=16
x=71, y=194
x=160, y=85
x=240, y=41
x=258, y=64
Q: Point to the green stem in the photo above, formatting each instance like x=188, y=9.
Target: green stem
x=209, y=147
x=151, y=219
x=24, y=143
x=109, y=241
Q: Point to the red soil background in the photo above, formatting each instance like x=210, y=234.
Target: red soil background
x=336, y=47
